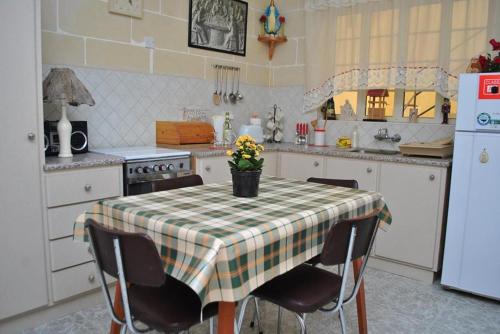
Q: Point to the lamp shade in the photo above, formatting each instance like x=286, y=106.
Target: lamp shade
x=62, y=86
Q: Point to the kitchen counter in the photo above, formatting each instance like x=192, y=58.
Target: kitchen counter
x=84, y=160
x=330, y=151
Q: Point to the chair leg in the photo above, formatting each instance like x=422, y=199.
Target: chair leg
x=257, y=315
x=211, y=324
x=302, y=321
x=280, y=313
x=342, y=320
x=123, y=330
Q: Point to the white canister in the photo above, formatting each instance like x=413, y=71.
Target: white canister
x=319, y=137
x=255, y=121
x=218, y=122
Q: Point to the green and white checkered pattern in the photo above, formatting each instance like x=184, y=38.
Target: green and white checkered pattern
x=223, y=246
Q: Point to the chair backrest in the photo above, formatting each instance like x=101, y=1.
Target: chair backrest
x=335, y=182
x=141, y=261
x=179, y=182
x=337, y=241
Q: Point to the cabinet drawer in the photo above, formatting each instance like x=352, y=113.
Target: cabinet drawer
x=75, y=280
x=67, y=252
x=62, y=219
x=364, y=171
x=83, y=185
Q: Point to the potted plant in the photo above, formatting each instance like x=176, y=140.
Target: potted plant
x=246, y=166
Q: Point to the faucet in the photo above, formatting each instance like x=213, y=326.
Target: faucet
x=383, y=134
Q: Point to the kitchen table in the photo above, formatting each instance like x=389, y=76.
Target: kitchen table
x=224, y=247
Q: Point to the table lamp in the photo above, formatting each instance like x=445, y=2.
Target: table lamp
x=62, y=87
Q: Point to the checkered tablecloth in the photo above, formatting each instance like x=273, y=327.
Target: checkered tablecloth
x=223, y=246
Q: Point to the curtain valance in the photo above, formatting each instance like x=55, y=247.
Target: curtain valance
x=394, y=44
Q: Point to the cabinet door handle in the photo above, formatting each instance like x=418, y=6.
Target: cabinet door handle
x=369, y=170
x=88, y=187
x=208, y=168
x=31, y=136
x=432, y=177
x=91, y=278
x=316, y=164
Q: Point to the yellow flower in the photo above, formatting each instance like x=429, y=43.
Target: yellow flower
x=248, y=143
x=240, y=147
x=260, y=147
x=229, y=152
x=257, y=153
x=246, y=156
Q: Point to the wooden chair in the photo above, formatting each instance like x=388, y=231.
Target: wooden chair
x=157, y=300
x=179, y=182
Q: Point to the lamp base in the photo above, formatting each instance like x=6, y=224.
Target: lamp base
x=64, y=133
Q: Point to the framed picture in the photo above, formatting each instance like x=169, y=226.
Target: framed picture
x=218, y=25
x=126, y=7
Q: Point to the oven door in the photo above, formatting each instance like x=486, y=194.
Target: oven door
x=138, y=188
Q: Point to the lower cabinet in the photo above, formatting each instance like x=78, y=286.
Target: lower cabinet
x=70, y=193
x=216, y=169
x=415, y=196
x=364, y=171
x=300, y=166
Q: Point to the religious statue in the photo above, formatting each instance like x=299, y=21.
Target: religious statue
x=347, y=111
x=445, y=110
x=272, y=24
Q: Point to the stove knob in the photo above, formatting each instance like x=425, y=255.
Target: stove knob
x=170, y=167
x=139, y=170
x=148, y=169
x=162, y=168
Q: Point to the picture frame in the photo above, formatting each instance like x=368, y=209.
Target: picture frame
x=218, y=25
x=132, y=8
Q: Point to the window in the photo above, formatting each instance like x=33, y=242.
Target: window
x=424, y=101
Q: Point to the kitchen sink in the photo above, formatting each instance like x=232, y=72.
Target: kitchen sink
x=375, y=151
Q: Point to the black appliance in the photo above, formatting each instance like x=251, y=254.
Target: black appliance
x=79, y=138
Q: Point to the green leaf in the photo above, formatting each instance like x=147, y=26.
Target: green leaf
x=232, y=165
x=244, y=165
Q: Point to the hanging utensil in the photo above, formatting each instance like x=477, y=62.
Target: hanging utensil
x=220, y=73
x=225, y=97
x=232, y=96
x=239, y=96
x=216, y=97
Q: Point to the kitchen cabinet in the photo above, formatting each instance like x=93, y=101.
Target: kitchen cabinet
x=416, y=197
x=23, y=277
x=299, y=166
x=216, y=169
x=69, y=193
x=363, y=171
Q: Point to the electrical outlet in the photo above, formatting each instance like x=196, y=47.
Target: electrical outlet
x=149, y=42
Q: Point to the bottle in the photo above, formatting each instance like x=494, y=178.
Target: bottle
x=355, y=138
x=227, y=130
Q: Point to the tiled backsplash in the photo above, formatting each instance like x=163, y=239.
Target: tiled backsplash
x=128, y=104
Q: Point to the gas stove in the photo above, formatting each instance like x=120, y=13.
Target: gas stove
x=147, y=166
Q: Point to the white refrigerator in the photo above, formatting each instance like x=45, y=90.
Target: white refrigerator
x=472, y=248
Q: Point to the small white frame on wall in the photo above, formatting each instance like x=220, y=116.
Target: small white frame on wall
x=131, y=8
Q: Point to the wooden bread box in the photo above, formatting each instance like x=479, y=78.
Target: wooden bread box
x=181, y=133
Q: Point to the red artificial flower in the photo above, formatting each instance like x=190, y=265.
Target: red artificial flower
x=497, y=60
x=495, y=44
x=482, y=61
x=282, y=19
x=263, y=19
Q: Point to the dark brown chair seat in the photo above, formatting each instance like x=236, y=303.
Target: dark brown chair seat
x=169, y=308
x=159, y=301
x=303, y=289
x=179, y=182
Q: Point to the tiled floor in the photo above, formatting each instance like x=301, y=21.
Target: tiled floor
x=395, y=305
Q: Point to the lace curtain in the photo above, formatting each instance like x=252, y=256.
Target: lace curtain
x=395, y=44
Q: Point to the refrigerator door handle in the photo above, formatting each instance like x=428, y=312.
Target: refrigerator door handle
x=484, y=157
